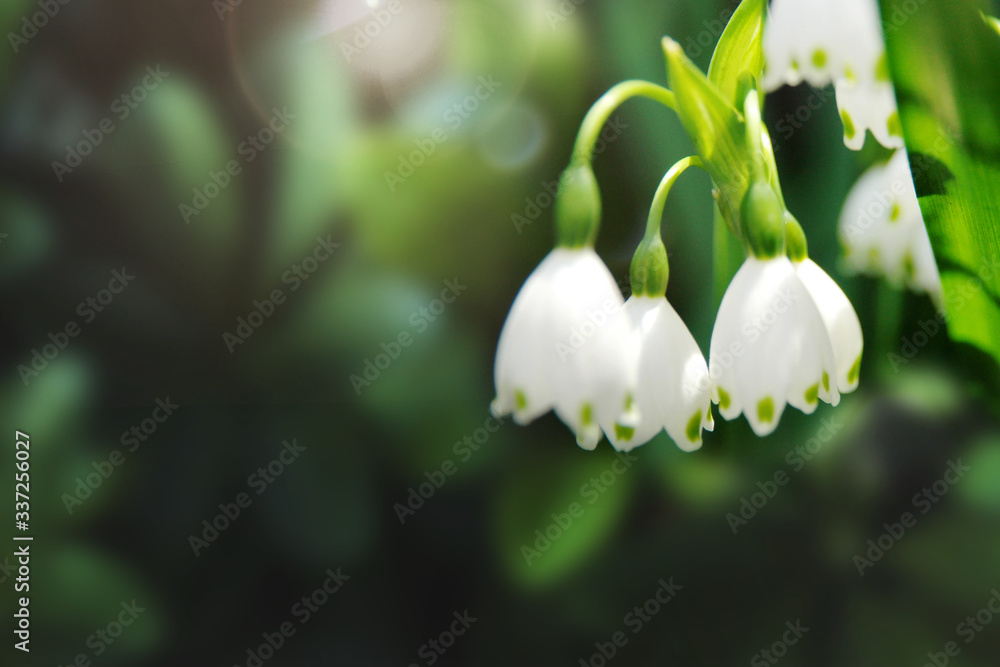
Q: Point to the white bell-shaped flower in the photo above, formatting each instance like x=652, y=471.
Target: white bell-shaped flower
x=770, y=346
x=838, y=41
x=842, y=324
x=882, y=229
x=673, y=390
x=567, y=346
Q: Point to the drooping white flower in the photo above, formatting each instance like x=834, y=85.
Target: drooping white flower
x=842, y=324
x=838, y=41
x=673, y=390
x=770, y=346
x=567, y=346
x=882, y=229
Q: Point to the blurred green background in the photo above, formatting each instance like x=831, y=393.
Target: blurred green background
x=467, y=210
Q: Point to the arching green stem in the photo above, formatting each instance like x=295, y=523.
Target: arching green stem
x=663, y=190
x=600, y=112
x=650, y=270
x=578, y=204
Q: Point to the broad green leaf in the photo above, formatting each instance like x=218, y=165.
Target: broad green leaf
x=944, y=60
x=740, y=50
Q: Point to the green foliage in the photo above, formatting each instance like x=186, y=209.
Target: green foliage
x=740, y=52
x=548, y=485
x=943, y=60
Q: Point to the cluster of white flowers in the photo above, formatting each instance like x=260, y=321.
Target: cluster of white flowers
x=819, y=41
x=785, y=334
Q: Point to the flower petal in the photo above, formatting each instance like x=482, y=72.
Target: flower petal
x=842, y=324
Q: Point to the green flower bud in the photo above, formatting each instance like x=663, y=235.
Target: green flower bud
x=578, y=207
x=764, y=220
x=650, y=270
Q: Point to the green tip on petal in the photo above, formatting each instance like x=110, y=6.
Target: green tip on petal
x=826, y=381
x=882, y=69
x=895, y=213
x=693, y=429
x=812, y=394
x=765, y=410
x=724, y=400
x=894, y=126
x=819, y=58
x=855, y=372
x=587, y=414
x=849, y=130
x=520, y=400
x=624, y=432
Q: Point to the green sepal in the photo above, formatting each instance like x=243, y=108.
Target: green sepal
x=578, y=207
x=716, y=128
x=650, y=269
x=739, y=56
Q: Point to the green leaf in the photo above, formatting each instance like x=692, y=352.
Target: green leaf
x=944, y=60
x=716, y=128
x=740, y=50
